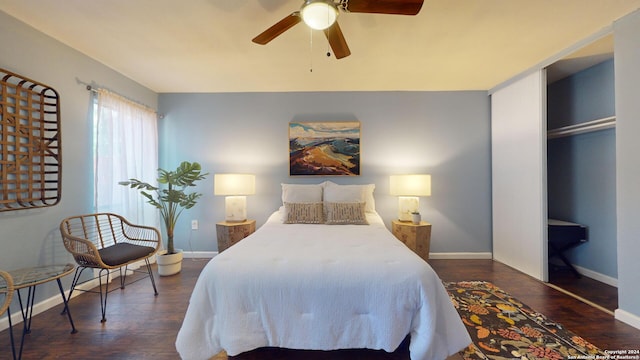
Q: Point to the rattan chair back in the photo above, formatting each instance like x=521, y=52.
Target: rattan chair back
x=85, y=235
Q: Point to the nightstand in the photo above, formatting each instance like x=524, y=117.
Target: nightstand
x=229, y=233
x=416, y=237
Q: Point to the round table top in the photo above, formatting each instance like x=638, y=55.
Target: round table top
x=32, y=276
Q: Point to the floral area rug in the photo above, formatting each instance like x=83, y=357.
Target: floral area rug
x=502, y=327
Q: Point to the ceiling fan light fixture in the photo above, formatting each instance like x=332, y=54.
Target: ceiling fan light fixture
x=319, y=14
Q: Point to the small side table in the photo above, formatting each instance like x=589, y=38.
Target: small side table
x=29, y=278
x=417, y=237
x=229, y=233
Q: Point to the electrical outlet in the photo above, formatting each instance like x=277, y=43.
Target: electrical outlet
x=194, y=224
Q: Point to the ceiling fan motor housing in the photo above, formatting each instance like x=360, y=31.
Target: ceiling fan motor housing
x=319, y=14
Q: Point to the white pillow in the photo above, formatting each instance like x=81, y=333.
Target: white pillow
x=350, y=193
x=298, y=193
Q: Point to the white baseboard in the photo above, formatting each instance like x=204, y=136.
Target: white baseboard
x=199, y=254
x=628, y=318
x=462, y=255
x=597, y=276
x=44, y=305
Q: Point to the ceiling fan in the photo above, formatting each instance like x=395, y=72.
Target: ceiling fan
x=323, y=15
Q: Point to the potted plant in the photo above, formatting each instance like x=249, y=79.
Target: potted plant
x=416, y=217
x=171, y=199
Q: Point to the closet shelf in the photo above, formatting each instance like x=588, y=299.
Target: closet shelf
x=585, y=127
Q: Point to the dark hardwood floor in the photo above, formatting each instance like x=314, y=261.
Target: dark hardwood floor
x=141, y=326
x=589, y=289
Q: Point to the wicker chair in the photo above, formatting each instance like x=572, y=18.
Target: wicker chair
x=6, y=291
x=108, y=242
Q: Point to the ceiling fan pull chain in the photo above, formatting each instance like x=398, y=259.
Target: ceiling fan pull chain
x=310, y=50
x=328, y=45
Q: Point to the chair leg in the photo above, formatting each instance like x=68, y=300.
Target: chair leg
x=153, y=281
x=105, y=291
x=103, y=298
x=123, y=278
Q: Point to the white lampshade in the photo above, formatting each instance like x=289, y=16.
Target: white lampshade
x=234, y=184
x=409, y=188
x=410, y=185
x=319, y=14
x=235, y=187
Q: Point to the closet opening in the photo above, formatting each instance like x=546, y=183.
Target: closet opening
x=581, y=175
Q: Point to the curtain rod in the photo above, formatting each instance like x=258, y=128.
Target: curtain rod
x=90, y=88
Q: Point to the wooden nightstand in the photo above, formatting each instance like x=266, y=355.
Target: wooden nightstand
x=416, y=237
x=229, y=233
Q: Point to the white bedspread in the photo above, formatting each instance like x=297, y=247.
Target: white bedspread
x=320, y=287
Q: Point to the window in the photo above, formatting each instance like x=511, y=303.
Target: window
x=125, y=146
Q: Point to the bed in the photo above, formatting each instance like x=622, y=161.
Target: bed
x=316, y=286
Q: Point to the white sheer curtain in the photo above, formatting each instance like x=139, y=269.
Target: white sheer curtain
x=125, y=146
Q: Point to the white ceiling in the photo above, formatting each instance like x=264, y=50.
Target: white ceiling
x=205, y=45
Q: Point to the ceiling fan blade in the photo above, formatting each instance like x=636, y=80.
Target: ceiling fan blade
x=281, y=26
x=337, y=41
x=396, y=7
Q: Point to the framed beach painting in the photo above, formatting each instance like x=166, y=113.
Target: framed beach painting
x=324, y=148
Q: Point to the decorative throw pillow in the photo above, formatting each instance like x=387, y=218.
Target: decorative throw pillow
x=345, y=213
x=303, y=213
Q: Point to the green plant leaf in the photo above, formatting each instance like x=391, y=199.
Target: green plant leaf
x=172, y=199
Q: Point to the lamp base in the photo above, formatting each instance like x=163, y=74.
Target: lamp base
x=235, y=208
x=406, y=206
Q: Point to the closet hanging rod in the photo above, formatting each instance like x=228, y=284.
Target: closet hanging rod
x=585, y=127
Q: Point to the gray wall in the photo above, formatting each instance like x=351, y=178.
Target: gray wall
x=627, y=58
x=31, y=237
x=445, y=134
x=582, y=168
x=584, y=96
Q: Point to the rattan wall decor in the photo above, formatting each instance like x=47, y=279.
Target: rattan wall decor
x=30, y=146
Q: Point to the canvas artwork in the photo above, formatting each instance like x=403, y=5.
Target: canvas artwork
x=324, y=148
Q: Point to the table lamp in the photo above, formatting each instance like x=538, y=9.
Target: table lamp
x=408, y=188
x=235, y=187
